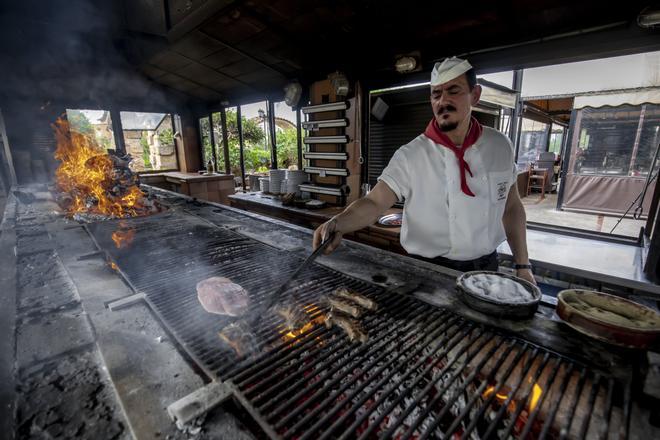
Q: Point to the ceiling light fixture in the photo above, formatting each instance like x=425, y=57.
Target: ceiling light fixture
x=648, y=18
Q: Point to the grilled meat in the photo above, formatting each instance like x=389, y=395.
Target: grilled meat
x=362, y=300
x=219, y=295
x=353, y=329
x=344, y=306
x=240, y=338
x=294, y=317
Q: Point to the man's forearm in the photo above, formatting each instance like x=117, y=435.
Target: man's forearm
x=515, y=227
x=357, y=215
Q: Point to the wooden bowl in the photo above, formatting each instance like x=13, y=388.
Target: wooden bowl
x=609, y=318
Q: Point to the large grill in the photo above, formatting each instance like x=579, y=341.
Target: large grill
x=425, y=372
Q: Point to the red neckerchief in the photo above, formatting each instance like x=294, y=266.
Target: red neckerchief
x=474, y=132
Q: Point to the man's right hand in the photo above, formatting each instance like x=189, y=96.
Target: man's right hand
x=330, y=231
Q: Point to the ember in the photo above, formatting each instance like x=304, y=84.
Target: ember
x=93, y=184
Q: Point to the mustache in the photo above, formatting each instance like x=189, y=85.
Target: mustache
x=446, y=108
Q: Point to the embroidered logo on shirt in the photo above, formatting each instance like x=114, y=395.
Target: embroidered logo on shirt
x=501, y=190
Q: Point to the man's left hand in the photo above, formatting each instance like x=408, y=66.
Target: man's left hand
x=526, y=274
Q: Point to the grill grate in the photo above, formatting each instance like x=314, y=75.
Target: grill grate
x=424, y=373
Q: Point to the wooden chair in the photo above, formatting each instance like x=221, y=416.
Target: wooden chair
x=537, y=179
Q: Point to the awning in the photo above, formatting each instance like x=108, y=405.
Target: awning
x=650, y=96
x=497, y=95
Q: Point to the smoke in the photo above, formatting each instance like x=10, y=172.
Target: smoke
x=61, y=54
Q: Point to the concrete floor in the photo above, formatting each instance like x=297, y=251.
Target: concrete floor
x=544, y=211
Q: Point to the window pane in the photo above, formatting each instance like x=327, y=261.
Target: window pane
x=149, y=139
x=286, y=136
x=216, y=120
x=556, y=138
x=256, y=137
x=96, y=124
x=612, y=141
x=649, y=136
x=533, y=140
x=205, y=135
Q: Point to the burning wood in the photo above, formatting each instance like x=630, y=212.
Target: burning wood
x=94, y=185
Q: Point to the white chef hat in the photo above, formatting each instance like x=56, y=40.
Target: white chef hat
x=449, y=69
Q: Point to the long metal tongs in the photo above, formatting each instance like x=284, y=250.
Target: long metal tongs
x=276, y=295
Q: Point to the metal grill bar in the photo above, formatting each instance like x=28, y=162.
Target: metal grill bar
x=425, y=372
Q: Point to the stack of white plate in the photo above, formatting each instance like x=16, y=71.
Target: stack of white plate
x=294, y=178
x=276, y=178
x=283, y=187
x=264, y=183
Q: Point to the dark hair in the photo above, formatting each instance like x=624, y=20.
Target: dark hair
x=471, y=76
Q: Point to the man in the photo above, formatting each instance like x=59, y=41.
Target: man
x=457, y=181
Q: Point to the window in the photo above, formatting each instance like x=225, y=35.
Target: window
x=205, y=136
x=533, y=141
x=149, y=139
x=616, y=141
x=96, y=124
x=256, y=137
x=216, y=122
x=556, y=139
x=286, y=136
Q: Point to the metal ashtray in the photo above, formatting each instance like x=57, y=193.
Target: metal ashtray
x=495, y=294
x=609, y=318
x=391, y=220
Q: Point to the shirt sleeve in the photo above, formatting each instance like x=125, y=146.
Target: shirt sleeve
x=396, y=175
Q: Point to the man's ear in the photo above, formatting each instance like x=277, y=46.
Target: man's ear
x=476, y=95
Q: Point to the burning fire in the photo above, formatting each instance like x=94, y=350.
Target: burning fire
x=293, y=334
x=89, y=180
x=536, y=395
x=113, y=265
x=537, y=391
x=123, y=238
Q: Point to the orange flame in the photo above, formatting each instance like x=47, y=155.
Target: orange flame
x=123, y=238
x=86, y=174
x=113, y=266
x=536, y=395
x=537, y=391
x=501, y=398
x=293, y=334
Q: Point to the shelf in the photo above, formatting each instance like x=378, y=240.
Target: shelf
x=331, y=107
x=330, y=123
x=316, y=189
x=327, y=171
x=325, y=156
x=343, y=139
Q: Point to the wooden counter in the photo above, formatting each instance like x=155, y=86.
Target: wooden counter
x=212, y=187
x=375, y=235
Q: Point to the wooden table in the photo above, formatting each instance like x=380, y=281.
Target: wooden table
x=379, y=236
x=212, y=187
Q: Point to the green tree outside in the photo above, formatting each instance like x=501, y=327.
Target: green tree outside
x=79, y=122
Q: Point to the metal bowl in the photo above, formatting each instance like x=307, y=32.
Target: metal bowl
x=391, y=220
x=609, y=318
x=495, y=307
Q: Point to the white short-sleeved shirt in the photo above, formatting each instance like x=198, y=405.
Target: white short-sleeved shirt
x=438, y=218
